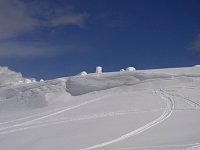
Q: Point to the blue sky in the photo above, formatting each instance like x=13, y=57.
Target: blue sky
x=55, y=38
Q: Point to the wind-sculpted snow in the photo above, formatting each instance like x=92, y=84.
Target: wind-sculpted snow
x=35, y=95
x=79, y=85
x=29, y=95
x=9, y=77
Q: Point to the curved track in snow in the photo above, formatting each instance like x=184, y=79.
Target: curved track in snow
x=67, y=120
x=192, y=146
x=40, y=122
x=29, y=122
x=166, y=114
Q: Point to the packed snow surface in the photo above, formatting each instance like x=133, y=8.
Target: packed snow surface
x=130, y=110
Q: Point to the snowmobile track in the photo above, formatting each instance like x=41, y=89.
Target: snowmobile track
x=166, y=114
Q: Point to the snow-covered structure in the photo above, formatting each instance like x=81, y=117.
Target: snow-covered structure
x=27, y=81
x=196, y=65
x=83, y=73
x=41, y=80
x=130, y=69
x=20, y=82
x=33, y=80
x=98, y=69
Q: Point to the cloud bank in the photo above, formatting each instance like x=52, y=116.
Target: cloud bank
x=18, y=18
x=15, y=19
x=195, y=45
x=40, y=49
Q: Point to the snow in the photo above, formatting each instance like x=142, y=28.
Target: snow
x=196, y=65
x=142, y=109
x=130, y=69
x=98, y=69
x=27, y=81
x=41, y=80
x=83, y=73
x=9, y=77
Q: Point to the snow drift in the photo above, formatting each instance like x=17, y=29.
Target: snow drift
x=16, y=92
x=79, y=85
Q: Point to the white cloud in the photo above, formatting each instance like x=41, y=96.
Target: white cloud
x=39, y=49
x=16, y=49
x=16, y=17
x=195, y=46
x=71, y=19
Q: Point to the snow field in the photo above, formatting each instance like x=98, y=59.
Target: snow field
x=142, y=109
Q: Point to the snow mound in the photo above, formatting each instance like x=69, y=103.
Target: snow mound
x=130, y=69
x=18, y=92
x=196, y=65
x=83, y=73
x=9, y=77
x=32, y=95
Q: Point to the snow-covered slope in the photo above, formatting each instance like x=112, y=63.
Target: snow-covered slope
x=142, y=109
